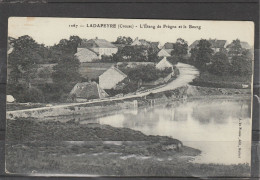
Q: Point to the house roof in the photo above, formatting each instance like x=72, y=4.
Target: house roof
x=156, y=44
x=85, y=52
x=245, y=45
x=142, y=42
x=162, y=61
x=218, y=43
x=168, y=45
x=214, y=43
x=101, y=43
x=88, y=90
x=120, y=72
x=165, y=52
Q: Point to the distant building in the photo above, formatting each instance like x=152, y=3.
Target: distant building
x=243, y=44
x=165, y=53
x=110, y=78
x=216, y=45
x=87, y=90
x=168, y=45
x=164, y=63
x=140, y=42
x=99, y=46
x=156, y=45
x=86, y=55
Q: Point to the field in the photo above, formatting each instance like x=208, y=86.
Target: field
x=93, y=70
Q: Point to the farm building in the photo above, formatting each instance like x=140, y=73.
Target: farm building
x=164, y=53
x=87, y=90
x=164, y=63
x=140, y=42
x=110, y=78
x=99, y=46
x=86, y=55
x=168, y=45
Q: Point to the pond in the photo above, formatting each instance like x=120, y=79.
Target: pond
x=220, y=128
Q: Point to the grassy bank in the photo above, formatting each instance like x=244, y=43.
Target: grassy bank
x=207, y=79
x=64, y=147
x=54, y=147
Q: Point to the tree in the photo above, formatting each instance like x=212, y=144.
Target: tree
x=24, y=59
x=66, y=72
x=132, y=54
x=180, y=48
x=247, y=54
x=67, y=46
x=124, y=40
x=202, y=54
x=152, y=54
x=235, y=48
x=241, y=65
x=220, y=64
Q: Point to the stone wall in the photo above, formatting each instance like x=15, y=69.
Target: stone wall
x=86, y=109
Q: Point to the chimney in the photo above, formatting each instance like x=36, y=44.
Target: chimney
x=96, y=38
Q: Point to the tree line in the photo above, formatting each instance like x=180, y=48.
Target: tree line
x=25, y=60
x=28, y=55
x=233, y=60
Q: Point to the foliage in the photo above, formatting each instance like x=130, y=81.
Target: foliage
x=180, y=48
x=24, y=59
x=235, y=48
x=66, y=72
x=220, y=64
x=133, y=54
x=202, y=54
x=146, y=73
x=173, y=60
x=241, y=66
x=124, y=40
x=24, y=94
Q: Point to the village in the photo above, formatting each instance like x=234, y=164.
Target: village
x=106, y=74
x=128, y=103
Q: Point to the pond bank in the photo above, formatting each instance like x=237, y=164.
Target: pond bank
x=94, y=149
x=54, y=146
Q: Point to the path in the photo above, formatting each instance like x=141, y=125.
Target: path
x=187, y=74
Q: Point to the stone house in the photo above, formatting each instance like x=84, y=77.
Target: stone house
x=111, y=77
x=86, y=55
x=164, y=63
x=168, y=45
x=87, y=90
x=164, y=53
x=99, y=46
x=140, y=42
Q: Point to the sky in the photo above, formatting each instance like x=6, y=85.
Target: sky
x=49, y=31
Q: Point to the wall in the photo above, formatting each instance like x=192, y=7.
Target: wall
x=109, y=79
x=61, y=112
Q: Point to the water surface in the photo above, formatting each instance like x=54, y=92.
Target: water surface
x=221, y=129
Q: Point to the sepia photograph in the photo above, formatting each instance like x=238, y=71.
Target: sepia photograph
x=129, y=97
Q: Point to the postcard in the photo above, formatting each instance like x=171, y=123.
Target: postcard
x=129, y=97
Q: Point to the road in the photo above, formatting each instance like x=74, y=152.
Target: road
x=187, y=74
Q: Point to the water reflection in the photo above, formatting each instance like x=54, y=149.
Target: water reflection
x=211, y=126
